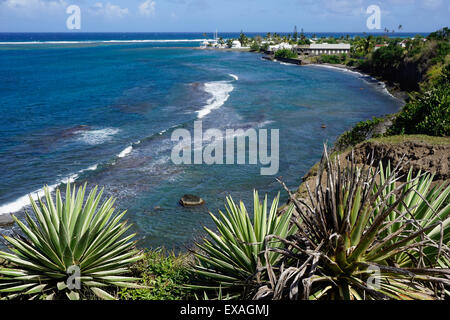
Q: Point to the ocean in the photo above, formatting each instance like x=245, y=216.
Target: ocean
x=101, y=108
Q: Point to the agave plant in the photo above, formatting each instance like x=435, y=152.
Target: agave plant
x=362, y=234
x=231, y=260
x=68, y=250
x=426, y=206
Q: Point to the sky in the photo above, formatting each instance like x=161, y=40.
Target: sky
x=223, y=15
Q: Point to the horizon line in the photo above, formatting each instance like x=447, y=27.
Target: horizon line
x=75, y=32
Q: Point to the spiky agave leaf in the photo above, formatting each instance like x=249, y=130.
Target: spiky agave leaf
x=425, y=205
x=232, y=257
x=359, y=235
x=68, y=243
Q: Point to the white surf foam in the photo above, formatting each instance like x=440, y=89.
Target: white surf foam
x=235, y=77
x=24, y=201
x=21, y=202
x=337, y=68
x=265, y=123
x=91, y=168
x=286, y=64
x=102, y=41
x=100, y=136
x=220, y=91
x=125, y=152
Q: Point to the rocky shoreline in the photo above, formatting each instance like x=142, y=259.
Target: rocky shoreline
x=393, y=89
x=6, y=219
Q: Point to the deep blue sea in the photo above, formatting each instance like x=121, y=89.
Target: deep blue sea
x=79, y=107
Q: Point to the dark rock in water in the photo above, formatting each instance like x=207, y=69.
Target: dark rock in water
x=6, y=219
x=190, y=200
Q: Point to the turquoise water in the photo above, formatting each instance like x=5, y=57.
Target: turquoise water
x=104, y=113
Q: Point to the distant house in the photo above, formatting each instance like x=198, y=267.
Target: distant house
x=324, y=48
x=378, y=46
x=236, y=44
x=405, y=42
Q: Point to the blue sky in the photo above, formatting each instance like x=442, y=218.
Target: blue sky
x=224, y=15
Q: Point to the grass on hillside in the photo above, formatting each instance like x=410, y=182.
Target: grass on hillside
x=397, y=139
x=412, y=138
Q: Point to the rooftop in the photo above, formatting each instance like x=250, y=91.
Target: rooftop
x=331, y=46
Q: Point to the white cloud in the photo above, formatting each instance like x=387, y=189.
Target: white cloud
x=345, y=7
x=432, y=4
x=326, y=8
x=109, y=10
x=33, y=7
x=147, y=8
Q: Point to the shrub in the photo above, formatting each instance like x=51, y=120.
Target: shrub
x=243, y=39
x=254, y=46
x=442, y=34
x=265, y=47
x=361, y=131
x=64, y=236
x=386, y=60
x=427, y=112
x=233, y=256
x=332, y=59
x=364, y=235
x=162, y=275
x=285, y=53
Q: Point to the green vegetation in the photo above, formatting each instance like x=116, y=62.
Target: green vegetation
x=359, y=233
x=162, y=275
x=427, y=112
x=407, y=62
x=398, y=139
x=234, y=255
x=386, y=60
x=264, y=47
x=243, y=39
x=421, y=64
x=286, y=53
x=443, y=34
x=333, y=59
x=363, y=235
x=361, y=131
x=65, y=237
x=255, y=46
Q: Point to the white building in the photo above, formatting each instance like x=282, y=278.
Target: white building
x=236, y=44
x=325, y=48
x=279, y=46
